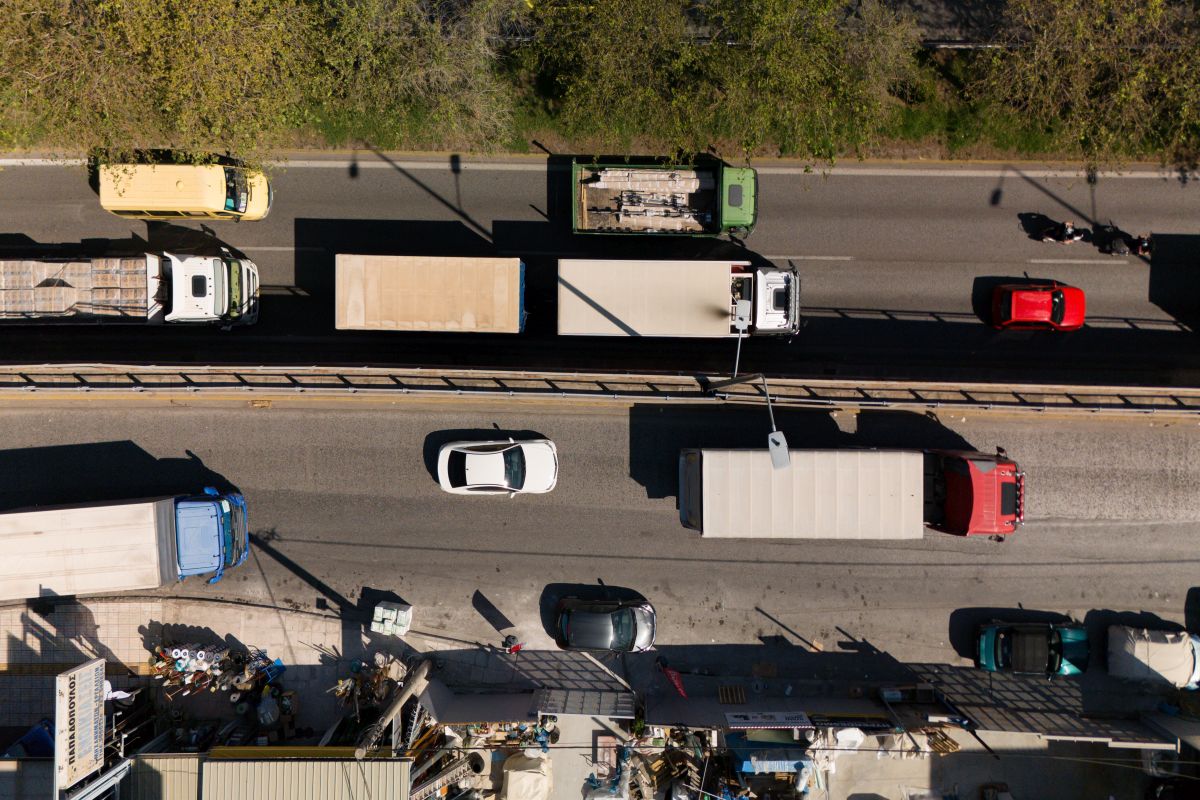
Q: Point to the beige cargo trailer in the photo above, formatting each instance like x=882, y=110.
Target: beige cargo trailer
x=116, y=547
x=430, y=293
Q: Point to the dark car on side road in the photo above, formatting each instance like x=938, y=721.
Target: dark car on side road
x=625, y=626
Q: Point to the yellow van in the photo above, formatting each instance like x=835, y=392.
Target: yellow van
x=169, y=191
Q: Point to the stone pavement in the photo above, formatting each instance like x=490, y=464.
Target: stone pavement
x=41, y=640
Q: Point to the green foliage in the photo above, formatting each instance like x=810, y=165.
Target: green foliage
x=819, y=79
x=409, y=73
x=1112, y=77
x=116, y=75
x=802, y=75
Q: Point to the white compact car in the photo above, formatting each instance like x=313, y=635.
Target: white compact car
x=498, y=467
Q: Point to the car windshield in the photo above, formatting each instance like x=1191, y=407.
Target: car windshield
x=1056, y=652
x=623, y=629
x=234, y=270
x=1008, y=499
x=1004, y=312
x=220, y=299
x=514, y=467
x=456, y=467
x=1058, y=306
x=236, y=191
x=1003, y=649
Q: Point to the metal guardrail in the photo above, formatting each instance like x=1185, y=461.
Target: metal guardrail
x=289, y=382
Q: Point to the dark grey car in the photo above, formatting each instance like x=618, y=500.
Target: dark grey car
x=603, y=624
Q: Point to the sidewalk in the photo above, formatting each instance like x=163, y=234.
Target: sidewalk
x=316, y=649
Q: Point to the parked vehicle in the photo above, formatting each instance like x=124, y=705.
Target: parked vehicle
x=674, y=298
x=184, y=191
x=121, y=546
x=1033, y=648
x=427, y=293
x=1163, y=658
x=498, y=467
x=625, y=626
x=639, y=196
x=849, y=494
x=146, y=289
x=1038, y=306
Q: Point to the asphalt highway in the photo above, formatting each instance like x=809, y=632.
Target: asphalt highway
x=343, y=503
x=896, y=266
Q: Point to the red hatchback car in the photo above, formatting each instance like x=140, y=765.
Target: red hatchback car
x=1038, y=306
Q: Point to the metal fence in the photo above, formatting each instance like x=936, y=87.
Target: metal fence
x=290, y=382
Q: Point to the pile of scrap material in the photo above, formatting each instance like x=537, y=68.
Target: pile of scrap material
x=369, y=685
x=189, y=668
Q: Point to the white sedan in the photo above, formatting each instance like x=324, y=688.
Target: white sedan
x=498, y=467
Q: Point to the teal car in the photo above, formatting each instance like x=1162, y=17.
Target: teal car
x=1036, y=648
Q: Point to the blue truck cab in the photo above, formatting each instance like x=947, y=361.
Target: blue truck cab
x=211, y=533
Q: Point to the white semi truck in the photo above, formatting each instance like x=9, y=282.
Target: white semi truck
x=121, y=546
x=849, y=493
x=143, y=289
x=674, y=298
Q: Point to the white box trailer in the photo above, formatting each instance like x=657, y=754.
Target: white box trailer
x=1166, y=658
x=430, y=293
x=600, y=297
x=822, y=494
x=121, y=546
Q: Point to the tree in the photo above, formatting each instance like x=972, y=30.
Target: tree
x=120, y=75
x=416, y=72
x=1115, y=78
x=617, y=70
x=805, y=76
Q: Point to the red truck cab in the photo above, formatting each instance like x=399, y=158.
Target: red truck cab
x=974, y=494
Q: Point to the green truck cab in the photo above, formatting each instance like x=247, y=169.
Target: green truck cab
x=658, y=197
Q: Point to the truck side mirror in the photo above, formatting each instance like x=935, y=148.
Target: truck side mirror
x=211, y=491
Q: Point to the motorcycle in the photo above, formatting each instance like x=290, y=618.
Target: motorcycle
x=1112, y=240
x=1063, y=233
x=1141, y=246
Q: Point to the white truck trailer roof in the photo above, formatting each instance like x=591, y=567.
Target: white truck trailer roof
x=87, y=549
x=429, y=293
x=644, y=298
x=823, y=494
x=1150, y=656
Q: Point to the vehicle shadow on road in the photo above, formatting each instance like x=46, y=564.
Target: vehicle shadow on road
x=657, y=433
x=438, y=439
x=1175, y=277
x=99, y=472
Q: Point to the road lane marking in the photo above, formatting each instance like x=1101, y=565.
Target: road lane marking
x=282, y=249
x=809, y=258
x=1077, y=261
x=539, y=165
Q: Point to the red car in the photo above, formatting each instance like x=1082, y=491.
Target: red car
x=1038, y=306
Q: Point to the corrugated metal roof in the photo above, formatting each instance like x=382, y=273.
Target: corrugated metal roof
x=163, y=777
x=305, y=779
